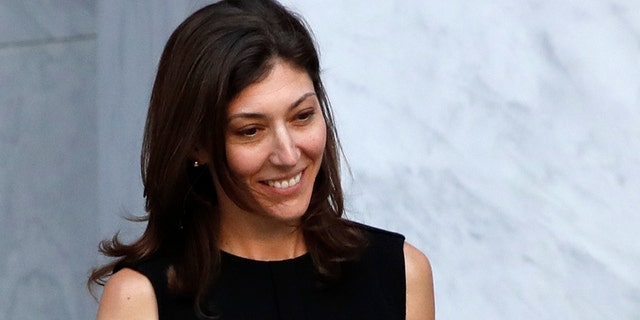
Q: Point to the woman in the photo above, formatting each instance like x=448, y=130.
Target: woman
x=240, y=170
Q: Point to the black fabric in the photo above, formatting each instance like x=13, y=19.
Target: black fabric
x=371, y=288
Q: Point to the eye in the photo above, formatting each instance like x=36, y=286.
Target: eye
x=305, y=115
x=248, y=132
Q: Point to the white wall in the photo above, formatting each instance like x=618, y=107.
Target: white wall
x=500, y=137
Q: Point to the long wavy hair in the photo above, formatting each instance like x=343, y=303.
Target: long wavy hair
x=208, y=60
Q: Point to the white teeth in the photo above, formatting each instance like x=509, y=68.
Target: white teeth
x=285, y=183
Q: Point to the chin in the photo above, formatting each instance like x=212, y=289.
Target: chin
x=286, y=212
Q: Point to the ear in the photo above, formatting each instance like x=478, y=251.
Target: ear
x=199, y=154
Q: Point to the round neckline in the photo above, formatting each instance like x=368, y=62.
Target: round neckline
x=237, y=258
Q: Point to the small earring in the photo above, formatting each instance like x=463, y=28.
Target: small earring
x=196, y=164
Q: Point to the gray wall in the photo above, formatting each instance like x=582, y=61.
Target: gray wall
x=500, y=137
x=48, y=158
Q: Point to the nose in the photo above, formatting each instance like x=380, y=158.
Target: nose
x=285, y=151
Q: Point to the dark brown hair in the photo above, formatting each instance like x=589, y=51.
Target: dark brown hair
x=212, y=56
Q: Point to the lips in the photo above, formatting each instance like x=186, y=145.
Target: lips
x=284, y=183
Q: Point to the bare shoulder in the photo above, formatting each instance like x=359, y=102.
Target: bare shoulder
x=419, y=278
x=128, y=295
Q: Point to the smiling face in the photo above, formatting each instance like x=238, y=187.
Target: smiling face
x=275, y=140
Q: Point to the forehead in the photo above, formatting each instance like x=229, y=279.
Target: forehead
x=283, y=85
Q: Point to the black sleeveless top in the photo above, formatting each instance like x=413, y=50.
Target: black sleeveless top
x=373, y=287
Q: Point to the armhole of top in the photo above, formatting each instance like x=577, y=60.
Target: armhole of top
x=155, y=270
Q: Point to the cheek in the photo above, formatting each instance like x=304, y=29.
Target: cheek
x=316, y=141
x=243, y=161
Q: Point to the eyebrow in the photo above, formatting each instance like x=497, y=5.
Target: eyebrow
x=260, y=115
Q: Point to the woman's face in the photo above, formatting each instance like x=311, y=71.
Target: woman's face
x=275, y=140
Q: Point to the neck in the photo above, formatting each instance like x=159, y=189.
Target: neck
x=256, y=237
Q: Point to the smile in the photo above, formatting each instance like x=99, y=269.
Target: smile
x=286, y=183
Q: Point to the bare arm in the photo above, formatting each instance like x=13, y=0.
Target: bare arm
x=128, y=295
x=420, y=297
